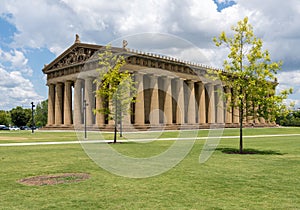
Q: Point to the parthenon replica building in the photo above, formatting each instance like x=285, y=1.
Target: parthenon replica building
x=170, y=92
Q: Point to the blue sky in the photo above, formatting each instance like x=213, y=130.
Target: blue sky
x=30, y=38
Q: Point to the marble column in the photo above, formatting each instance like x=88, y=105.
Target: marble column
x=126, y=120
x=59, y=104
x=201, y=104
x=111, y=121
x=51, y=104
x=220, y=104
x=250, y=107
x=180, y=115
x=78, y=102
x=89, y=97
x=68, y=103
x=228, y=116
x=154, y=104
x=262, y=120
x=211, y=103
x=191, y=111
x=236, y=115
x=139, y=115
x=100, y=118
x=168, y=119
x=236, y=112
x=256, y=120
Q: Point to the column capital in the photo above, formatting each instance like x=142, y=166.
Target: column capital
x=152, y=75
x=51, y=84
x=168, y=77
x=69, y=81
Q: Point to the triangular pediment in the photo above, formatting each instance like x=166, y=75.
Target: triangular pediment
x=78, y=53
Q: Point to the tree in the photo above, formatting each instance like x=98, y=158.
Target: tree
x=41, y=113
x=4, y=118
x=292, y=119
x=114, y=85
x=250, y=73
x=20, y=116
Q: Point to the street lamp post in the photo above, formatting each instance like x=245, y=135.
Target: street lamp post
x=84, y=113
x=32, y=116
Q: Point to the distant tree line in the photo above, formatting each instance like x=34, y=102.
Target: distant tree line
x=292, y=119
x=20, y=116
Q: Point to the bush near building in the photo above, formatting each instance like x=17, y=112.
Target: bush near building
x=292, y=119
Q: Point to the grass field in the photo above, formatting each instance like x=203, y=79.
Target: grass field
x=266, y=180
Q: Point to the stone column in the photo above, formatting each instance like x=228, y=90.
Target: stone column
x=59, y=104
x=236, y=112
x=51, y=104
x=220, y=104
x=191, y=118
x=68, y=103
x=256, y=120
x=228, y=117
x=201, y=104
x=262, y=120
x=78, y=102
x=211, y=103
x=89, y=97
x=111, y=108
x=168, y=101
x=100, y=118
x=139, y=115
x=154, y=106
x=126, y=120
x=180, y=102
x=250, y=107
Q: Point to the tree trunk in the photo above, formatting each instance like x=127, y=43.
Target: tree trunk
x=242, y=99
x=121, y=125
x=115, y=135
x=241, y=128
x=116, y=121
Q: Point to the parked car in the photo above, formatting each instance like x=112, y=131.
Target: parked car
x=14, y=128
x=3, y=127
x=25, y=128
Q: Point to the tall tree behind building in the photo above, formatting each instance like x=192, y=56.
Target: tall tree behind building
x=41, y=113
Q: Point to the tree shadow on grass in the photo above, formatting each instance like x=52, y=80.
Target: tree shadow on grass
x=249, y=151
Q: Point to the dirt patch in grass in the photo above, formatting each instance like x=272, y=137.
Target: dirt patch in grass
x=54, y=179
x=12, y=138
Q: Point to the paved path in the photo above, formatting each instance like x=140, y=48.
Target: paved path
x=136, y=140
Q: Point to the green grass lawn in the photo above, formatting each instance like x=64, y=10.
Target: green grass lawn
x=225, y=181
x=46, y=136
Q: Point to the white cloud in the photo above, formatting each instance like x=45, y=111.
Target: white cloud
x=15, y=57
x=53, y=25
x=15, y=60
x=290, y=80
x=15, y=90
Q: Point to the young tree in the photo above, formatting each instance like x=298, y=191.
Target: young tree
x=250, y=74
x=115, y=85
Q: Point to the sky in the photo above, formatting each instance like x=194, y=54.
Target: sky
x=34, y=33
